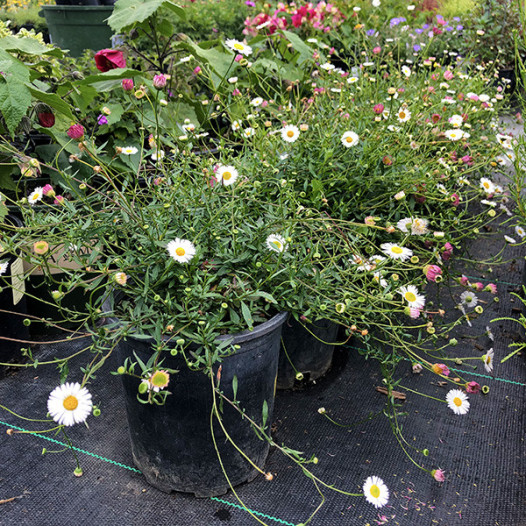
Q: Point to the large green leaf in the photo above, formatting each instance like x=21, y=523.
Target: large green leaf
x=52, y=100
x=221, y=61
x=299, y=46
x=15, y=99
x=12, y=67
x=112, y=74
x=130, y=12
x=28, y=46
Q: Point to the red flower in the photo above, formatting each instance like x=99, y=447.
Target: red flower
x=107, y=59
x=46, y=119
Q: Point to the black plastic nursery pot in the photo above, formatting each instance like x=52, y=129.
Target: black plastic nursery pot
x=12, y=300
x=172, y=444
x=305, y=349
x=79, y=27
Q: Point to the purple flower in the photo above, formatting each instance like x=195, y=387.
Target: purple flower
x=449, y=28
x=101, y=120
x=425, y=26
x=419, y=31
x=370, y=32
x=439, y=17
x=456, y=18
x=394, y=21
x=460, y=28
x=416, y=48
x=250, y=4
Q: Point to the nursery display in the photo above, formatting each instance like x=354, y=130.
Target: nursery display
x=213, y=218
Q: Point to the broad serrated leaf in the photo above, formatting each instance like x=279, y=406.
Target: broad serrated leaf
x=130, y=12
x=28, y=46
x=15, y=99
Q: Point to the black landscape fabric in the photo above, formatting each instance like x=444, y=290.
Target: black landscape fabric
x=483, y=453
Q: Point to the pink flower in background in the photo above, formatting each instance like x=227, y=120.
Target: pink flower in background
x=59, y=200
x=432, y=272
x=491, y=287
x=448, y=75
x=448, y=251
x=464, y=281
x=48, y=191
x=159, y=81
x=76, y=131
x=478, y=286
x=438, y=475
x=379, y=108
x=107, y=59
x=440, y=368
x=127, y=84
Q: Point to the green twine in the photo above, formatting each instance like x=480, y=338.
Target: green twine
x=49, y=439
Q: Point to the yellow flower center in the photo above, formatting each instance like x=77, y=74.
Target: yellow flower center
x=487, y=359
x=375, y=491
x=485, y=184
x=277, y=244
x=290, y=134
x=396, y=250
x=402, y=114
x=457, y=401
x=70, y=403
x=227, y=176
x=349, y=139
x=180, y=251
x=160, y=379
x=409, y=296
x=239, y=46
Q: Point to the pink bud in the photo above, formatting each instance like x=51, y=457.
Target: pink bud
x=377, y=50
x=379, y=108
x=197, y=70
x=416, y=368
x=472, y=387
x=48, y=191
x=432, y=272
x=464, y=281
x=478, y=286
x=438, y=475
x=76, y=131
x=59, y=200
x=127, y=84
x=159, y=81
x=448, y=75
x=236, y=92
x=440, y=368
x=238, y=58
x=491, y=287
x=448, y=251
x=455, y=199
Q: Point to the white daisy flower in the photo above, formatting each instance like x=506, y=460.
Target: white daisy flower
x=239, y=47
x=403, y=115
x=487, y=185
x=327, y=66
x=413, y=297
x=129, y=150
x=456, y=121
x=290, y=133
x=458, y=401
x=276, y=243
x=188, y=127
x=454, y=135
x=396, y=251
x=3, y=267
x=488, y=360
x=468, y=299
x=236, y=125
x=258, y=101
x=227, y=175
x=249, y=132
x=232, y=80
x=393, y=128
x=484, y=98
x=520, y=231
x=510, y=240
x=404, y=223
x=349, y=139
x=505, y=140
x=352, y=80
x=157, y=155
x=376, y=492
x=406, y=71
x=419, y=226
x=181, y=250
x=35, y=196
x=69, y=404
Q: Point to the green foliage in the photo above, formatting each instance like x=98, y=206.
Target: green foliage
x=460, y=8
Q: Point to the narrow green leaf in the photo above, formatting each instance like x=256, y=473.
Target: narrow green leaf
x=234, y=386
x=264, y=413
x=247, y=315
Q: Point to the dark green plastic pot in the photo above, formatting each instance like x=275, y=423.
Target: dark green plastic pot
x=79, y=27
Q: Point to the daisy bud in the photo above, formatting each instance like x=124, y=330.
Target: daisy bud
x=477, y=286
x=364, y=332
x=438, y=235
x=399, y=195
x=431, y=330
x=269, y=476
x=390, y=229
x=379, y=108
x=340, y=308
x=322, y=410
x=414, y=259
x=121, y=370
x=48, y=191
x=479, y=309
x=432, y=272
x=56, y=294
x=59, y=200
x=10, y=432
x=472, y=387
x=180, y=341
x=120, y=278
x=438, y=475
x=159, y=81
x=447, y=251
x=299, y=376
x=96, y=412
x=127, y=84
x=425, y=452
x=304, y=127
x=491, y=287
x=78, y=472
x=485, y=389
